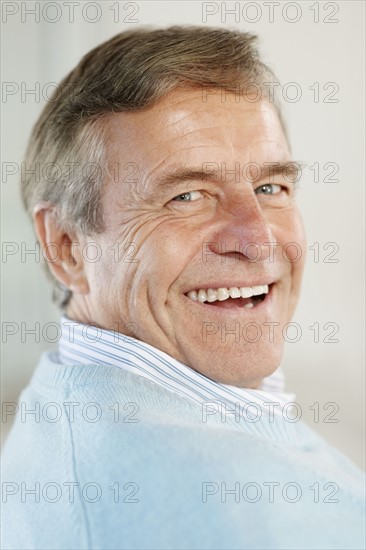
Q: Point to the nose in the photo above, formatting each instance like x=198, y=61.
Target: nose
x=243, y=231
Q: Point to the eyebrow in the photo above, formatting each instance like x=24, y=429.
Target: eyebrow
x=291, y=169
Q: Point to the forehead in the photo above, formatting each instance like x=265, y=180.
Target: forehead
x=187, y=122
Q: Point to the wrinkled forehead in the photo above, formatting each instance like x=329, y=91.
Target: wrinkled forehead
x=187, y=119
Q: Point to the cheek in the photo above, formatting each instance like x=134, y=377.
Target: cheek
x=289, y=232
x=107, y=273
x=297, y=252
x=168, y=251
x=291, y=236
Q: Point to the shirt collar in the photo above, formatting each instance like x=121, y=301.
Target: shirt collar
x=86, y=344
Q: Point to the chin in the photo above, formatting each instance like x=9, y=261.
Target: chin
x=247, y=370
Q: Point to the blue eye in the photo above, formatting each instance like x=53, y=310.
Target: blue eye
x=184, y=197
x=269, y=189
x=188, y=197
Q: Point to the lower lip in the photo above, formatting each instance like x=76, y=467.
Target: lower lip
x=234, y=309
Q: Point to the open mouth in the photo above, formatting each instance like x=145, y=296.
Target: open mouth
x=223, y=297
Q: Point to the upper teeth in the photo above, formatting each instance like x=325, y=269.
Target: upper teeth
x=221, y=294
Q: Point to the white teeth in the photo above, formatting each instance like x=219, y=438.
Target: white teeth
x=222, y=294
x=257, y=290
x=211, y=295
x=246, y=292
x=234, y=292
x=249, y=304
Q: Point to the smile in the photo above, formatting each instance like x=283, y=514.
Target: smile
x=247, y=297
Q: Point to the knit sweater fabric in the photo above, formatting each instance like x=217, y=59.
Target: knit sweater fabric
x=110, y=460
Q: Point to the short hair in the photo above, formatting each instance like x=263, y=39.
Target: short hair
x=133, y=70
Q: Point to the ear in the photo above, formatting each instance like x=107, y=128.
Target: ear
x=61, y=249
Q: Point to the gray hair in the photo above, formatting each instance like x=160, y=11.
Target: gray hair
x=68, y=146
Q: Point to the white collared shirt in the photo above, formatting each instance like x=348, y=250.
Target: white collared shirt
x=85, y=344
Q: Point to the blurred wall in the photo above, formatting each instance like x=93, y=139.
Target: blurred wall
x=317, y=50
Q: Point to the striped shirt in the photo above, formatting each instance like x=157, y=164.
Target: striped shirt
x=85, y=344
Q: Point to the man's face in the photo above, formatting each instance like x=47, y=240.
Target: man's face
x=187, y=209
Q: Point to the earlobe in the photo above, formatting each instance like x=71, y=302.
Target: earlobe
x=61, y=249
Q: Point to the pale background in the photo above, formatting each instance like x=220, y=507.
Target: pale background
x=304, y=52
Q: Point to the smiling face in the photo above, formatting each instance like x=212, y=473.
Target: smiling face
x=190, y=227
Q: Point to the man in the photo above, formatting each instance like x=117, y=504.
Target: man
x=169, y=220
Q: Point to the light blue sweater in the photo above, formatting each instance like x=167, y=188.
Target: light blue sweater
x=116, y=461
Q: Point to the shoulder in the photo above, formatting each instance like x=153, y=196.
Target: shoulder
x=119, y=462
